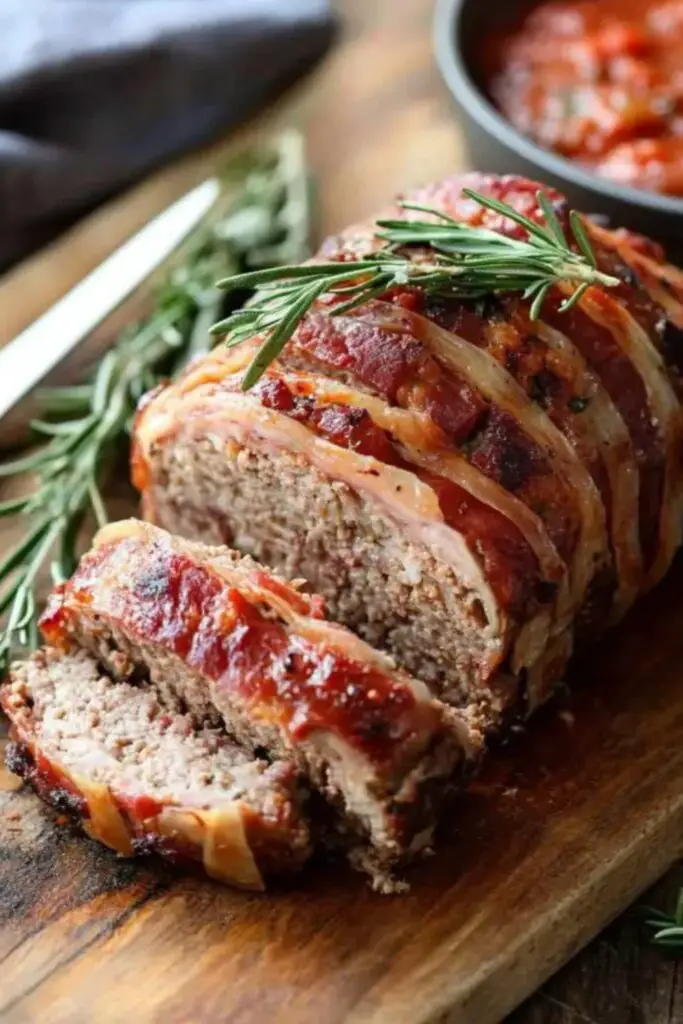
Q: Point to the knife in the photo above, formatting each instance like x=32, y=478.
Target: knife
x=29, y=357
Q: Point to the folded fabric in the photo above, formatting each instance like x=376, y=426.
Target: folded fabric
x=95, y=92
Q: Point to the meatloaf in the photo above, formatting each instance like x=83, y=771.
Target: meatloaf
x=142, y=778
x=469, y=489
x=243, y=652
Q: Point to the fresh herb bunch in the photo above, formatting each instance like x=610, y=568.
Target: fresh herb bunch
x=81, y=427
x=441, y=256
x=666, y=929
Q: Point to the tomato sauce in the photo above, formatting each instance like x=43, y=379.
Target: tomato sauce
x=189, y=610
x=601, y=82
x=510, y=564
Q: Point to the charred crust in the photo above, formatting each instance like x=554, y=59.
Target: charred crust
x=152, y=843
x=672, y=345
x=545, y=591
x=544, y=386
x=512, y=361
x=446, y=312
x=594, y=615
x=488, y=307
x=19, y=760
x=68, y=803
x=630, y=277
x=373, y=726
x=505, y=453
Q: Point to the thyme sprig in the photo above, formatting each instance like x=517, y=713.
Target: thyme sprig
x=267, y=221
x=666, y=929
x=441, y=256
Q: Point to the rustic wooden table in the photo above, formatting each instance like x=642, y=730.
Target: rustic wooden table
x=377, y=119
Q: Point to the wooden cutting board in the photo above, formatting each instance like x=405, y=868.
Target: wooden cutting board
x=571, y=822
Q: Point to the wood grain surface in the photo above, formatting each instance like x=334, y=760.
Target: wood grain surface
x=571, y=822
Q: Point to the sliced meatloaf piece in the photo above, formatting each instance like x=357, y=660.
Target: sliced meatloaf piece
x=244, y=650
x=141, y=778
x=467, y=488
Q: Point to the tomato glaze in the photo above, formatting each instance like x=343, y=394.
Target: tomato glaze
x=191, y=611
x=594, y=341
x=510, y=565
x=399, y=366
x=601, y=82
x=396, y=366
x=506, y=332
x=522, y=195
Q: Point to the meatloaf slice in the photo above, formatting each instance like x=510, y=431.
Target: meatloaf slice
x=240, y=648
x=141, y=778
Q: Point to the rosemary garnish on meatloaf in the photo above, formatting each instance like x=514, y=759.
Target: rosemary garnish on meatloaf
x=441, y=256
x=265, y=220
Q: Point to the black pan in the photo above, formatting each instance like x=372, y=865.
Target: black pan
x=494, y=145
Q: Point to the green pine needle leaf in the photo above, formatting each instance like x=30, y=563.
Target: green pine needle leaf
x=666, y=929
x=581, y=236
x=441, y=257
x=551, y=219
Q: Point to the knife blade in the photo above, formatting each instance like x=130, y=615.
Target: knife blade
x=32, y=354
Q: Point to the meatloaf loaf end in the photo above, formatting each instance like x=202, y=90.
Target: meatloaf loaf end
x=141, y=778
x=469, y=488
x=241, y=649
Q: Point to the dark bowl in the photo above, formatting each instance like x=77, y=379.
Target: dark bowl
x=460, y=26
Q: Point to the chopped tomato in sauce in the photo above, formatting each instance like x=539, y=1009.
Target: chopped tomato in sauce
x=601, y=82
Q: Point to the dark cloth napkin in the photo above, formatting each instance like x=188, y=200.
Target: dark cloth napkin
x=95, y=92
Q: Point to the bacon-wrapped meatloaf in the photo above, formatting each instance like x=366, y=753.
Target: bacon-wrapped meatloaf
x=187, y=645
x=470, y=489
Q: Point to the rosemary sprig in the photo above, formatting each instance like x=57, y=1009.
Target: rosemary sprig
x=440, y=256
x=666, y=929
x=82, y=426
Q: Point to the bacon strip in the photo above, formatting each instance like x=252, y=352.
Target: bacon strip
x=422, y=443
x=630, y=319
x=568, y=429
x=406, y=499
x=602, y=422
x=517, y=443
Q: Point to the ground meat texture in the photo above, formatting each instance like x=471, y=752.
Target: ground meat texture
x=141, y=777
x=587, y=478
x=363, y=734
x=511, y=566
x=392, y=591
x=400, y=369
